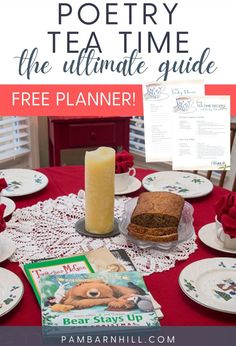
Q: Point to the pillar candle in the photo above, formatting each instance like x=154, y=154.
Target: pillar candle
x=99, y=190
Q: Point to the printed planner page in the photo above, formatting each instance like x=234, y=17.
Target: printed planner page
x=201, y=138
x=159, y=104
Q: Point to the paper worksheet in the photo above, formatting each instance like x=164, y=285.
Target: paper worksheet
x=159, y=103
x=201, y=138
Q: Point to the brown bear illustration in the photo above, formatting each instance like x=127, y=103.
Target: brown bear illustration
x=89, y=293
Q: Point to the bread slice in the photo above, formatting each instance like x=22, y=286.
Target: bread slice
x=155, y=238
x=158, y=231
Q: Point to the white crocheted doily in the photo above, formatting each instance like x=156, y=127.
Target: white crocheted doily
x=46, y=230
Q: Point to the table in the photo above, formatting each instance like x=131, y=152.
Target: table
x=177, y=308
x=78, y=132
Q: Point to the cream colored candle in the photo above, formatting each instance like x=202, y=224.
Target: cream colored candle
x=99, y=190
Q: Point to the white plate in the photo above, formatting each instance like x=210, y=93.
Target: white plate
x=134, y=185
x=22, y=182
x=208, y=236
x=185, y=229
x=187, y=185
x=212, y=283
x=10, y=205
x=11, y=291
x=7, y=247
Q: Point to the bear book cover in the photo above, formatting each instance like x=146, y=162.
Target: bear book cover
x=92, y=299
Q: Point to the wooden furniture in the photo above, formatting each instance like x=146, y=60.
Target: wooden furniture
x=223, y=173
x=234, y=184
x=81, y=132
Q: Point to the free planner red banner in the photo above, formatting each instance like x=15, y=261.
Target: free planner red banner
x=71, y=100
x=84, y=100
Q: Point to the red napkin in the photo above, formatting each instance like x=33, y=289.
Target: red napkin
x=124, y=161
x=2, y=221
x=226, y=213
x=3, y=184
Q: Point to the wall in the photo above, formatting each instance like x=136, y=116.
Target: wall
x=43, y=141
x=232, y=173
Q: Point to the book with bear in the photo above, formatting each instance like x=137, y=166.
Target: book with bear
x=92, y=261
x=96, y=299
x=75, y=264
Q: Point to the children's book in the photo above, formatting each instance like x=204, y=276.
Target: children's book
x=75, y=264
x=111, y=261
x=102, y=259
x=99, y=299
x=124, y=260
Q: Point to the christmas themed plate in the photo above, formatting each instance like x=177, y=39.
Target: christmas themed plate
x=212, y=283
x=208, y=236
x=187, y=185
x=7, y=247
x=11, y=291
x=22, y=182
x=10, y=205
x=185, y=229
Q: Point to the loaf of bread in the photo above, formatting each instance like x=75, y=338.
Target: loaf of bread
x=158, y=209
x=156, y=216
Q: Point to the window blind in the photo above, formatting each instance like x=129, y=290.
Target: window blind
x=14, y=137
x=137, y=142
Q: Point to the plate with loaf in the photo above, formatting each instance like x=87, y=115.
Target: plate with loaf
x=157, y=219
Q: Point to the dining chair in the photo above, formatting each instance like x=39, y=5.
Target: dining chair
x=234, y=184
x=223, y=173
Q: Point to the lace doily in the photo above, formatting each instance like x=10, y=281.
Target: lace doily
x=46, y=230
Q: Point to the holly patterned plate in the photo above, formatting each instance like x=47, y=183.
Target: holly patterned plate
x=22, y=182
x=7, y=247
x=211, y=282
x=10, y=205
x=208, y=236
x=185, y=184
x=11, y=291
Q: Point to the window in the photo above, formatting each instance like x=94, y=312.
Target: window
x=137, y=142
x=17, y=138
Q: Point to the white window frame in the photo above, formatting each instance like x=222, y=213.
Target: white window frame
x=29, y=158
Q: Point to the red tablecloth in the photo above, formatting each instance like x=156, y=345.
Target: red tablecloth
x=177, y=308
